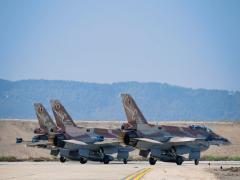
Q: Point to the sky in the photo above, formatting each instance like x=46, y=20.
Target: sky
x=187, y=43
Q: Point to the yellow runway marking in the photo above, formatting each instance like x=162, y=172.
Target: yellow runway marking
x=139, y=174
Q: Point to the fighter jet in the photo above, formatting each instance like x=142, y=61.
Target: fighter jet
x=92, y=146
x=84, y=144
x=166, y=143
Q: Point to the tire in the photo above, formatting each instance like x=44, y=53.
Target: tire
x=125, y=161
x=152, y=161
x=62, y=159
x=179, y=160
x=106, y=160
x=196, y=161
x=83, y=160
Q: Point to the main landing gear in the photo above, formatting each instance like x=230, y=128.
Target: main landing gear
x=179, y=160
x=152, y=160
x=62, y=159
x=106, y=159
x=83, y=160
x=125, y=161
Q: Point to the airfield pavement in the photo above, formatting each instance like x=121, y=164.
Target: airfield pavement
x=116, y=170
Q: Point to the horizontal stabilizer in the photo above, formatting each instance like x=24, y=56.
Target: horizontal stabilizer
x=40, y=143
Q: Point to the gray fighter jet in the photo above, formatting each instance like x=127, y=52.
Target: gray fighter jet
x=84, y=144
x=166, y=143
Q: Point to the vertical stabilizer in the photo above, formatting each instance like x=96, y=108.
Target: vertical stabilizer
x=133, y=113
x=62, y=117
x=45, y=121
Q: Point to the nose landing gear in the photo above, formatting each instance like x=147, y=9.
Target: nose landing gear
x=196, y=161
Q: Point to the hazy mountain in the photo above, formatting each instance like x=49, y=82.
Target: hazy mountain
x=93, y=101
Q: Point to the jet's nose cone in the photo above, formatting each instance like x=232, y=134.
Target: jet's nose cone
x=223, y=141
x=226, y=141
x=218, y=140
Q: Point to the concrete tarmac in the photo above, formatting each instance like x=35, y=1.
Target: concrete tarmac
x=113, y=171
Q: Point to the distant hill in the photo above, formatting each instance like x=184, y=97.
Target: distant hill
x=92, y=101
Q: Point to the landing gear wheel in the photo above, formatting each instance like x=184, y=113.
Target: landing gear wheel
x=106, y=159
x=62, y=159
x=125, y=161
x=179, y=160
x=152, y=161
x=83, y=160
x=196, y=161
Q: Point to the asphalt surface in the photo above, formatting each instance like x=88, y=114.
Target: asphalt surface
x=113, y=171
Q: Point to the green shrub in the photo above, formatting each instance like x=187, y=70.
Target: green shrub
x=8, y=158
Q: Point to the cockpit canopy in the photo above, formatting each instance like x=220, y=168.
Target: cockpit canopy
x=200, y=127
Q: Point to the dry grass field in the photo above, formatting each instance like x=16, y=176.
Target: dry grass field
x=10, y=129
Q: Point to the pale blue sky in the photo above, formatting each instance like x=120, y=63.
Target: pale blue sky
x=188, y=43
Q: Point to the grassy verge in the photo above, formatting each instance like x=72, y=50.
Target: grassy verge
x=8, y=158
x=203, y=158
x=220, y=158
x=41, y=159
x=14, y=159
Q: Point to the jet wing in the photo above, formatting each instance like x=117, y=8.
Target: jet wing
x=187, y=141
x=147, y=140
x=181, y=139
x=146, y=143
x=93, y=146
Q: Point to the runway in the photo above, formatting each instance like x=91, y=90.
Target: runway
x=114, y=171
